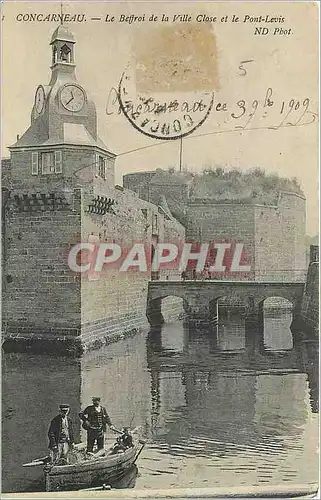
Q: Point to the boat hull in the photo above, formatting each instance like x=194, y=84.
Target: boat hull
x=90, y=473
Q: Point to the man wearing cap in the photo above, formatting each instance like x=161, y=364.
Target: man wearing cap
x=60, y=434
x=95, y=420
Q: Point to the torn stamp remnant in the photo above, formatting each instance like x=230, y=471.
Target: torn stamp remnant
x=176, y=59
x=167, y=91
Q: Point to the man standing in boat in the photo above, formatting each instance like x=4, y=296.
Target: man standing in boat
x=95, y=420
x=60, y=434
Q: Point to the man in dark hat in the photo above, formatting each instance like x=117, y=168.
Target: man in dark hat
x=95, y=420
x=60, y=434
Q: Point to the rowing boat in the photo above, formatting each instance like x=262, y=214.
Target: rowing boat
x=104, y=467
x=126, y=482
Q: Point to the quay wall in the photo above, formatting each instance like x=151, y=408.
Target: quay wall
x=41, y=295
x=46, y=305
x=114, y=302
x=309, y=313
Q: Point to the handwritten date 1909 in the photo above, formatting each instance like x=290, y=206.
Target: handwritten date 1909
x=269, y=111
x=248, y=110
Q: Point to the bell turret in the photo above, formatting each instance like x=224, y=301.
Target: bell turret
x=63, y=53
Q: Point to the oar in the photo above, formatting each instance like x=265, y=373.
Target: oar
x=33, y=464
x=143, y=444
x=103, y=487
x=37, y=461
x=117, y=430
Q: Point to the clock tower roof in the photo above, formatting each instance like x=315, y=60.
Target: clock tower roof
x=72, y=134
x=62, y=33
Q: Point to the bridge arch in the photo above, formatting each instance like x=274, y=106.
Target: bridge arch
x=161, y=294
x=286, y=295
x=278, y=302
x=171, y=294
x=166, y=308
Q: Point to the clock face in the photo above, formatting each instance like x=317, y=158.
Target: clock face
x=72, y=98
x=40, y=99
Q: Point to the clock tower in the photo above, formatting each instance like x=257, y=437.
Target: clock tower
x=61, y=148
x=61, y=176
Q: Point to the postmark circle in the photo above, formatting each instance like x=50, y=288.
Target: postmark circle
x=165, y=115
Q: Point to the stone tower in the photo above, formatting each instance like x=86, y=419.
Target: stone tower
x=57, y=163
x=60, y=192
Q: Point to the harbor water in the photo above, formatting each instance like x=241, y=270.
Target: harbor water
x=218, y=408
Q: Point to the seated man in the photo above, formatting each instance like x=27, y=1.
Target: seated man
x=126, y=438
x=124, y=441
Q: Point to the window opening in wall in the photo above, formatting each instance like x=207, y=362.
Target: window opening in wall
x=65, y=53
x=101, y=167
x=34, y=164
x=48, y=163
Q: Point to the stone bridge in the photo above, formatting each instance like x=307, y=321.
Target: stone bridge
x=201, y=296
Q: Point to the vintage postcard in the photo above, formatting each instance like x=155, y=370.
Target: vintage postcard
x=160, y=249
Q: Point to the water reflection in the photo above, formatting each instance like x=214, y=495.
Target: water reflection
x=231, y=331
x=227, y=397
x=32, y=389
x=277, y=333
x=309, y=357
x=245, y=406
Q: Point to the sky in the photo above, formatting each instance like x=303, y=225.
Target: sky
x=286, y=63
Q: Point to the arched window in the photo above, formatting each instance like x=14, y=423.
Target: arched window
x=65, y=53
